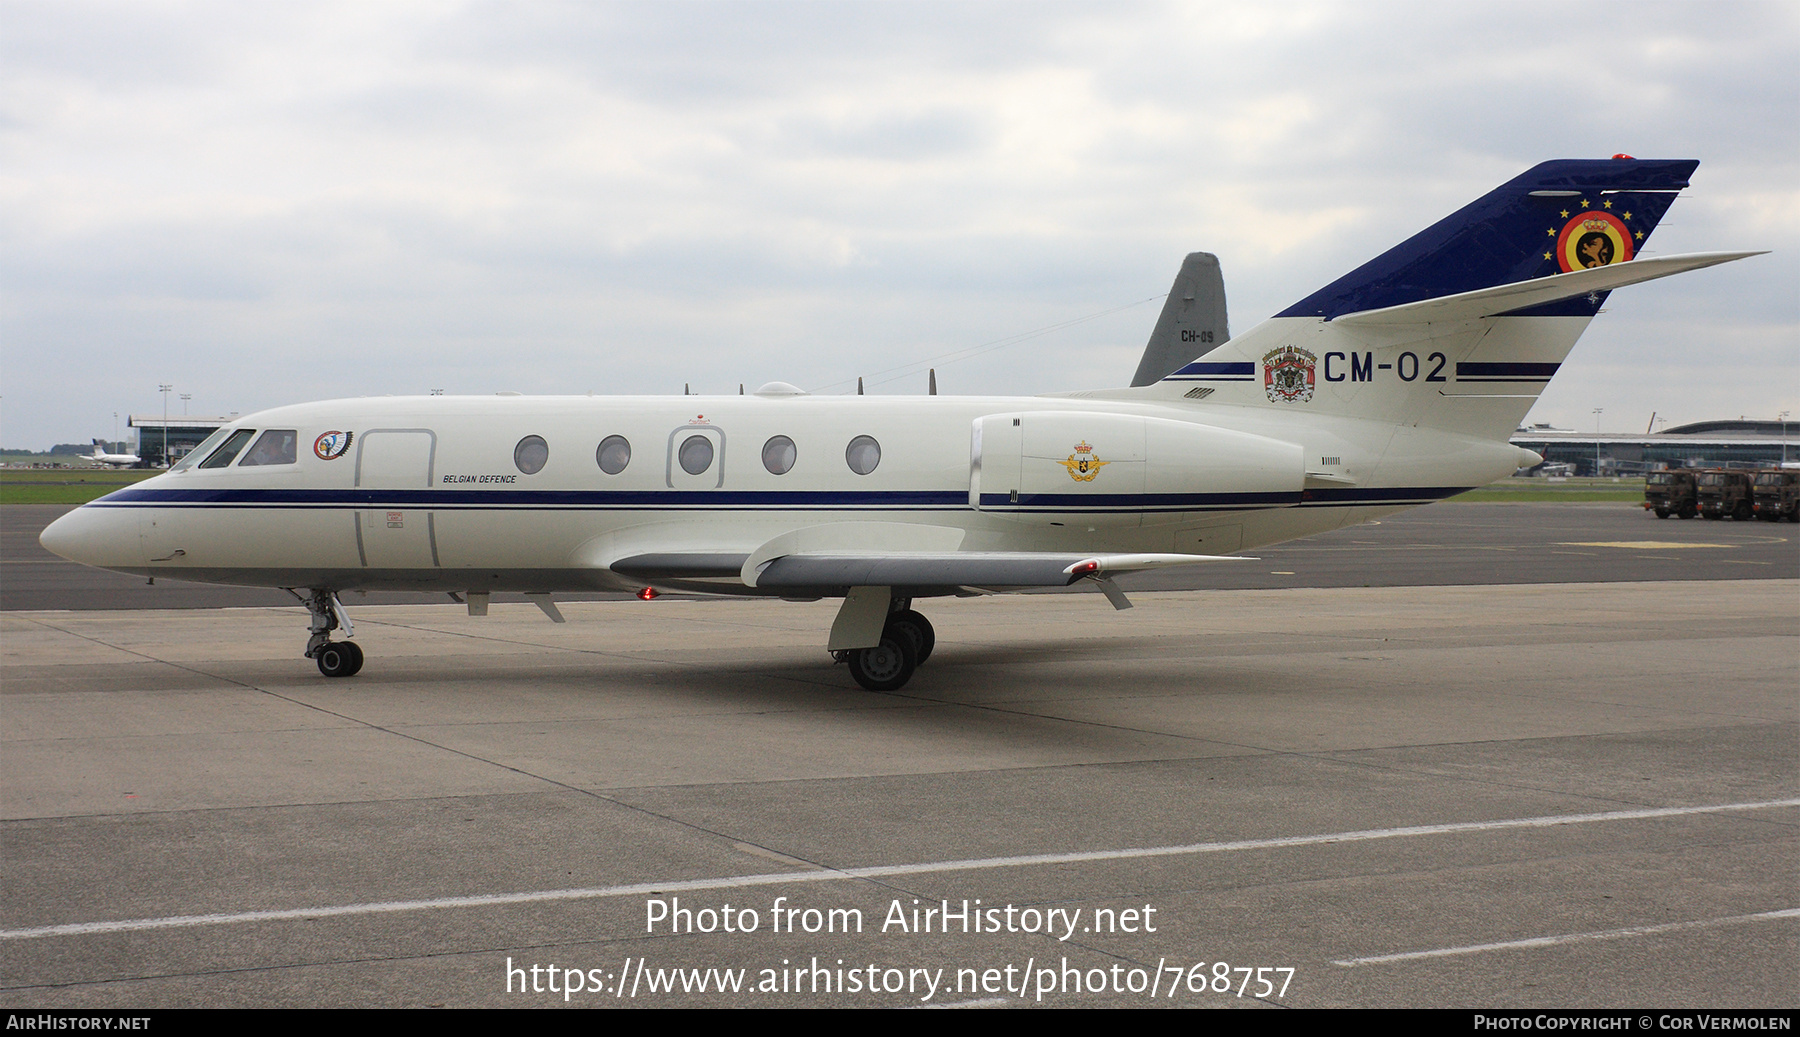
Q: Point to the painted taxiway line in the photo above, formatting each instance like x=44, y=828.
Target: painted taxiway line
x=1552, y=941
x=875, y=871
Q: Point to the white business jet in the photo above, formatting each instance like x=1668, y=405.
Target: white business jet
x=100, y=456
x=1394, y=386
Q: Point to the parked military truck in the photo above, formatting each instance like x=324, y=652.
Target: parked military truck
x=1671, y=493
x=1726, y=491
x=1777, y=494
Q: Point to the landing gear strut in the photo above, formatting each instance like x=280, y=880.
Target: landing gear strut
x=335, y=658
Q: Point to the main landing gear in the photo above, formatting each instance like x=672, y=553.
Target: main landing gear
x=335, y=658
x=907, y=639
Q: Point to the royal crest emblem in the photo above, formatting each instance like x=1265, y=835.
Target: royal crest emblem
x=1083, y=464
x=332, y=445
x=1288, y=374
x=1593, y=238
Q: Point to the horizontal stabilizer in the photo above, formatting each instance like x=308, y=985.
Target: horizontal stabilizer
x=1490, y=302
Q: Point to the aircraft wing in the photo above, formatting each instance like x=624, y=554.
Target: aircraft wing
x=960, y=569
x=915, y=569
x=1490, y=302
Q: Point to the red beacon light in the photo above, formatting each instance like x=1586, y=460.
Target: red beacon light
x=647, y=593
x=1621, y=155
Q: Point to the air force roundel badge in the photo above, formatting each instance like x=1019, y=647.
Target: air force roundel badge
x=1083, y=464
x=1288, y=374
x=1594, y=238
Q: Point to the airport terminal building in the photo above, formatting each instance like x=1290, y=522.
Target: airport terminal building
x=1740, y=443
x=163, y=440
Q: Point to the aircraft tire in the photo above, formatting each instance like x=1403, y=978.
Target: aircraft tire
x=885, y=667
x=339, y=659
x=917, y=629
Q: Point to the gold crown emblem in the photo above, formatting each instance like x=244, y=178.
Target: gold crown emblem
x=1084, y=447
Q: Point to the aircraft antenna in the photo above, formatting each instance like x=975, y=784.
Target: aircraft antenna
x=931, y=385
x=859, y=391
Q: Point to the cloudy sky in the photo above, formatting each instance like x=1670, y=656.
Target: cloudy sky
x=268, y=203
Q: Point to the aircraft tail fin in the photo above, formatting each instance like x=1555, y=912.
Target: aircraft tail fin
x=1192, y=323
x=1560, y=216
x=1460, y=327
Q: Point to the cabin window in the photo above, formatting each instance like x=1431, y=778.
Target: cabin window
x=779, y=454
x=276, y=446
x=863, y=454
x=227, y=453
x=696, y=454
x=531, y=454
x=614, y=454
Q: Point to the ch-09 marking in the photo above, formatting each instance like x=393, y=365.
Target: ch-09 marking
x=882, y=500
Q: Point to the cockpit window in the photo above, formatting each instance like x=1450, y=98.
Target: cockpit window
x=192, y=457
x=277, y=446
x=225, y=454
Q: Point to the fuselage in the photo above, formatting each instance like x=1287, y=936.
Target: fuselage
x=521, y=493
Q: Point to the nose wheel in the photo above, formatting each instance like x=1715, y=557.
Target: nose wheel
x=339, y=658
x=335, y=658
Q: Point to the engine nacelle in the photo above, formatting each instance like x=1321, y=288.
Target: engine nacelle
x=1124, y=469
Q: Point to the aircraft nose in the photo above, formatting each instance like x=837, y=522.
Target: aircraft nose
x=102, y=537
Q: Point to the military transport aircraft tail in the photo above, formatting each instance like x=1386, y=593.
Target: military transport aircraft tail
x=1462, y=325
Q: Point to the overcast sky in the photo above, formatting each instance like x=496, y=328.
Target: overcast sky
x=268, y=203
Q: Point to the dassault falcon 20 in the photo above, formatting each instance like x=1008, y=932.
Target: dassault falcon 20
x=1396, y=385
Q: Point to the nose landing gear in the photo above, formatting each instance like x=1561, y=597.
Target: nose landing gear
x=339, y=658
x=335, y=658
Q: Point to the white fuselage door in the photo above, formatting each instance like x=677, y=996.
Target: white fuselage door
x=397, y=530
x=696, y=458
x=994, y=462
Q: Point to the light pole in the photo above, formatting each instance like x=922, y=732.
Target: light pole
x=185, y=397
x=1783, y=416
x=165, y=390
x=1597, y=411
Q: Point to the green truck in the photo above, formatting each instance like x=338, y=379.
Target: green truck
x=1777, y=494
x=1726, y=492
x=1672, y=493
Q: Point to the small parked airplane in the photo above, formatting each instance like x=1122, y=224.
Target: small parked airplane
x=100, y=456
x=1396, y=385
